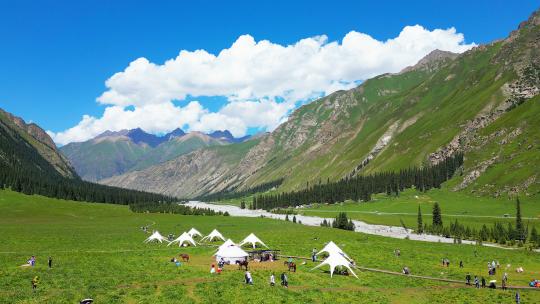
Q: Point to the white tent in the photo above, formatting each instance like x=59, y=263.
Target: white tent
x=184, y=238
x=331, y=248
x=334, y=260
x=253, y=240
x=227, y=243
x=194, y=232
x=213, y=235
x=156, y=236
x=231, y=254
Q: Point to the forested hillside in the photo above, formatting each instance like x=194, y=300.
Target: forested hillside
x=23, y=168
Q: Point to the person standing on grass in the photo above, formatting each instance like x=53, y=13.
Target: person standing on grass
x=314, y=255
x=284, y=280
x=213, y=269
x=468, y=279
x=50, y=262
x=272, y=280
x=249, y=278
x=460, y=264
x=518, y=298
x=35, y=282
x=476, y=282
x=483, y=282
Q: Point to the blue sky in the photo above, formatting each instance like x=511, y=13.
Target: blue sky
x=55, y=56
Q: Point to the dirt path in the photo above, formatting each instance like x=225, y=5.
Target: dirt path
x=415, y=276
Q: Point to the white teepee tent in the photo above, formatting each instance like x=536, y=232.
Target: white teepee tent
x=253, y=240
x=156, y=236
x=213, y=235
x=227, y=243
x=184, y=238
x=231, y=254
x=194, y=232
x=331, y=248
x=334, y=260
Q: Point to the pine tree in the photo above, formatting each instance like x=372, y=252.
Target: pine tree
x=420, y=226
x=437, y=219
x=294, y=219
x=286, y=217
x=534, y=237
x=520, y=231
x=243, y=205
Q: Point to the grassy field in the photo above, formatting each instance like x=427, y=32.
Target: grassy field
x=98, y=252
x=468, y=210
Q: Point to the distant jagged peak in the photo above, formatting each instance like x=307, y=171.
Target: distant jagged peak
x=174, y=133
x=431, y=61
x=227, y=136
x=222, y=134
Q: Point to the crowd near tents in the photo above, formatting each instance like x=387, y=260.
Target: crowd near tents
x=230, y=253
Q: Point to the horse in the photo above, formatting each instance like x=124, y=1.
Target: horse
x=184, y=256
x=291, y=265
x=241, y=264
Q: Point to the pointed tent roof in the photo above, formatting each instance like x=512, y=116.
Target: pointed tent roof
x=213, y=235
x=331, y=248
x=231, y=252
x=193, y=232
x=253, y=239
x=227, y=243
x=334, y=260
x=183, y=238
x=156, y=236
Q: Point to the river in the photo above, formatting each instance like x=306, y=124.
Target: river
x=382, y=230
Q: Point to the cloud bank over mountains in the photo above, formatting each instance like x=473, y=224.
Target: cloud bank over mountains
x=261, y=81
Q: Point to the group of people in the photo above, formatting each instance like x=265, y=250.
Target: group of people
x=446, y=262
x=31, y=263
x=492, y=267
x=283, y=277
x=218, y=270
x=477, y=281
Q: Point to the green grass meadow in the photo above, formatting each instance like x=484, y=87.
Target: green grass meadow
x=98, y=252
x=468, y=210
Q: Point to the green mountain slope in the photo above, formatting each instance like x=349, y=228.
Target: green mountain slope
x=114, y=153
x=175, y=147
x=104, y=157
x=443, y=105
x=30, y=163
x=16, y=130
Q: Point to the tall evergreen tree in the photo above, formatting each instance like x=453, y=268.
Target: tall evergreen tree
x=520, y=230
x=437, y=218
x=535, y=239
x=243, y=205
x=420, y=225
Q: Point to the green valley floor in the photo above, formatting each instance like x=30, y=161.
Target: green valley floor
x=98, y=252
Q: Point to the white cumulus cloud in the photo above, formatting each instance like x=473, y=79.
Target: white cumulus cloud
x=261, y=80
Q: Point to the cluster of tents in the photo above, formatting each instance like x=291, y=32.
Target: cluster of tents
x=230, y=252
x=187, y=239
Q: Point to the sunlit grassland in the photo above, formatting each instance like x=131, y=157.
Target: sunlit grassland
x=98, y=252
